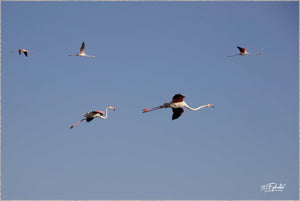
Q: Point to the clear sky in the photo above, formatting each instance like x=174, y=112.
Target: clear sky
x=145, y=53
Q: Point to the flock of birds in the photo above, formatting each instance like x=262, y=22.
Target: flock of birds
x=177, y=104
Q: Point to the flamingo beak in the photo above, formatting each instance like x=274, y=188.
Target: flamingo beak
x=210, y=105
x=112, y=108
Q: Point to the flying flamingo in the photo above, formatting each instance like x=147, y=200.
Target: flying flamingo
x=23, y=51
x=243, y=51
x=93, y=114
x=82, y=53
x=177, y=105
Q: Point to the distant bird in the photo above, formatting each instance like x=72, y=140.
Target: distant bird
x=177, y=105
x=23, y=51
x=82, y=53
x=243, y=51
x=93, y=114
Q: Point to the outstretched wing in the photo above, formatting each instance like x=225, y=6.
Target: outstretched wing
x=20, y=51
x=82, y=47
x=98, y=112
x=25, y=54
x=242, y=50
x=177, y=112
x=89, y=119
x=178, y=98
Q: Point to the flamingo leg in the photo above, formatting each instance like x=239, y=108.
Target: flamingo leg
x=77, y=123
x=152, y=109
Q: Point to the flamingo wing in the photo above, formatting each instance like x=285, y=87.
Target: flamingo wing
x=20, y=51
x=178, y=98
x=88, y=119
x=242, y=50
x=97, y=112
x=82, y=47
x=25, y=53
x=177, y=112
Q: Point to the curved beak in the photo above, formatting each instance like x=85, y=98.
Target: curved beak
x=112, y=108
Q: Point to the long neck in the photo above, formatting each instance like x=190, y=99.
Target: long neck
x=194, y=109
x=253, y=53
x=106, y=114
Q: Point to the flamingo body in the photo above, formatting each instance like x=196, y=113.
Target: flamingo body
x=93, y=114
x=177, y=104
x=243, y=51
x=82, y=53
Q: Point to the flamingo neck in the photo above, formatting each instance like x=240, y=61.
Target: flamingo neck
x=194, y=109
x=106, y=114
x=254, y=53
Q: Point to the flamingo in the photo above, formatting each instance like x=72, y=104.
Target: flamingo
x=177, y=104
x=243, y=51
x=82, y=53
x=23, y=51
x=94, y=114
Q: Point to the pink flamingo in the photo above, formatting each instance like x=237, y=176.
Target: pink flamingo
x=25, y=52
x=82, y=53
x=243, y=51
x=177, y=105
x=94, y=114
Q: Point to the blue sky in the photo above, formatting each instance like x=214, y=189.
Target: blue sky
x=145, y=53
